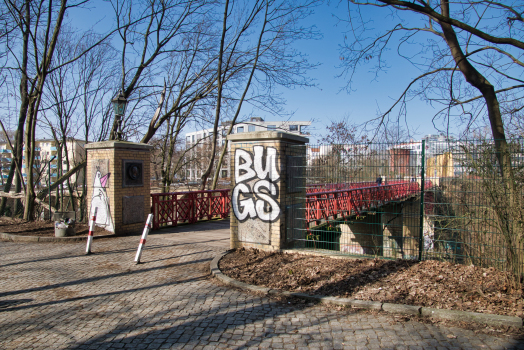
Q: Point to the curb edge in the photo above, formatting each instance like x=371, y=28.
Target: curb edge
x=420, y=311
x=36, y=239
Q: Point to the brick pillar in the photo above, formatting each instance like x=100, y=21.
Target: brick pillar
x=268, y=197
x=118, y=175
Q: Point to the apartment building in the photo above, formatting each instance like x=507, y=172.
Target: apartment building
x=45, y=150
x=405, y=158
x=199, y=142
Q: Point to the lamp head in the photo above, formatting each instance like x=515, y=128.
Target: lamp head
x=119, y=104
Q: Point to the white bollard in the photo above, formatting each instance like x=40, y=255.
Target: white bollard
x=143, y=239
x=90, y=234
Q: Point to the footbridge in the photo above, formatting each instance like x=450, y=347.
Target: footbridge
x=324, y=202
x=332, y=201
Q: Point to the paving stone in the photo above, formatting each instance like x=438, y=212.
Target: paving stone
x=63, y=299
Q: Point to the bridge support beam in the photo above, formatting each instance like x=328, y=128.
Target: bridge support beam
x=400, y=225
x=390, y=231
x=268, y=197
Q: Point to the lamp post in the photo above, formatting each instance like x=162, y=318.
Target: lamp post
x=119, y=106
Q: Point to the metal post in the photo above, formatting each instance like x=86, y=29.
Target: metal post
x=91, y=231
x=143, y=238
x=422, y=183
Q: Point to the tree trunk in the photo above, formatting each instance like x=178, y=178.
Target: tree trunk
x=7, y=187
x=206, y=173
x=505, y=213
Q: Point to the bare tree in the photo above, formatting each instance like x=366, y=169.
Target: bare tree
x=473, y=38
x=151, y=32
x=267, y=63
x=32, y=31
x=5, y=136
x=475, y=57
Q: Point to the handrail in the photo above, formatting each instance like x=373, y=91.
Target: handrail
x=321, y=203
x=352, y=201
x=176, y=207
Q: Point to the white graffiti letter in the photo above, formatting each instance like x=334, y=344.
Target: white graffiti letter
x=274, y=209
x=247, y=204
x=245, y=167
x=271, y=163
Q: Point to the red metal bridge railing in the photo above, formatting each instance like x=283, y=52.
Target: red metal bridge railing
x=189, y=207
x=312, y=188
x=322, y=201
x=355, y=199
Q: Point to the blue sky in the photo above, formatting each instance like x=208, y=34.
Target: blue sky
x=328, y=101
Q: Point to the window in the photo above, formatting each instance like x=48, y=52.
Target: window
x=251, y=128
x=271, y=127
x=223, y=173
x=189, y=139
x=240, y=129
x=193, y=138
x=293, y=128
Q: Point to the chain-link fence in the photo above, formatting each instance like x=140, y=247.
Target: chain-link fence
x=439, y=198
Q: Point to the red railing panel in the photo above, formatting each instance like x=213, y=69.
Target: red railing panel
x=323, y=201
x=178, y=207
x=328, y=201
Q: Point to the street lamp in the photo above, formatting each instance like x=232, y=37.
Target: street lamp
x=119, y=105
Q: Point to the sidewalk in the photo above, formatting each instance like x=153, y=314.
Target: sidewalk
x=52, y=296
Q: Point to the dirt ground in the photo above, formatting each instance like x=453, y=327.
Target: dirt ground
x=42, y=228
x=433, y=284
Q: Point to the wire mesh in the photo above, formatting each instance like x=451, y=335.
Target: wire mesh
x=438, y=198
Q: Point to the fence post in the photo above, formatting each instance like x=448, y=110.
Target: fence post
x=422, y=189
x=154, y=211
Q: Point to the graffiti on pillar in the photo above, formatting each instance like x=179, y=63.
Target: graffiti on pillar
x=256, y=191
x=99, y=198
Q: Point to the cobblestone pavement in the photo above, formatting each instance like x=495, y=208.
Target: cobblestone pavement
x=52, y=296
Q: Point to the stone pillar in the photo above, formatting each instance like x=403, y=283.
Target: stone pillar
x=118, y=175
x=268, y=197
x=362, y=234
